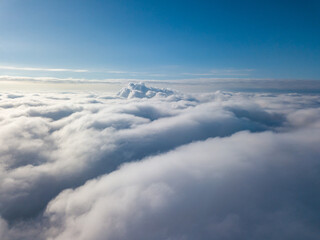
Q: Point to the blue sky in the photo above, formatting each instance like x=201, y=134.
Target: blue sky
x=160, y=39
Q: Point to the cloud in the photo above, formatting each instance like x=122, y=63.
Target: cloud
x=139, y=90
x=43, y=69
x=223, y=72
x=220, y=188
x=6, y=78
x=156, y=163
x=203, y=84
x=108, y=71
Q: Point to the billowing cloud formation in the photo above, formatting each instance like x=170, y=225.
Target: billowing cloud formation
x=139, y=90
x=248, y=186
x=157, y=164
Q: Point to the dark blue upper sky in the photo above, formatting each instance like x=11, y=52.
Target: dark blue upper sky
x=161, y=39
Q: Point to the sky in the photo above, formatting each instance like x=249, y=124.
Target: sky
x=160, y=40
x=159, y=120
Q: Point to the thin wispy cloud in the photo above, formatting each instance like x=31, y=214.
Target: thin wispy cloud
x=150, y=74
x=6, y=78
x=43, y=69
x=223, y=72
x=115, y=72
x=92, y=71
x=125, y=73
x=124, y=79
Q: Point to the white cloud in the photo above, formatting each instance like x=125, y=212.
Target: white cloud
x=43, y=69
x=64, y=152
x=40, y=69
x=5, y=78
x=139, y=90
x=223, y=72
x=220, y=188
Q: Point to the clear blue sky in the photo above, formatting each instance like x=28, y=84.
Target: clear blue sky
x=160, y=39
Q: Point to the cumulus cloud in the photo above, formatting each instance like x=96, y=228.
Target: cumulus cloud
x=139, y=90
x=152, y=163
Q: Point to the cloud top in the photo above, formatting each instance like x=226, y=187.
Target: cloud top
x=155, y=163
x=140, y=90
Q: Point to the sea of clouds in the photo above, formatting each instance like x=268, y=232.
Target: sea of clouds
x=151, y=163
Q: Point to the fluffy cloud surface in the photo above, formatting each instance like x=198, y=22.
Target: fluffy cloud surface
x=153, y=163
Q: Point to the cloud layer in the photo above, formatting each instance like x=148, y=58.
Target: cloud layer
x=154, y=163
